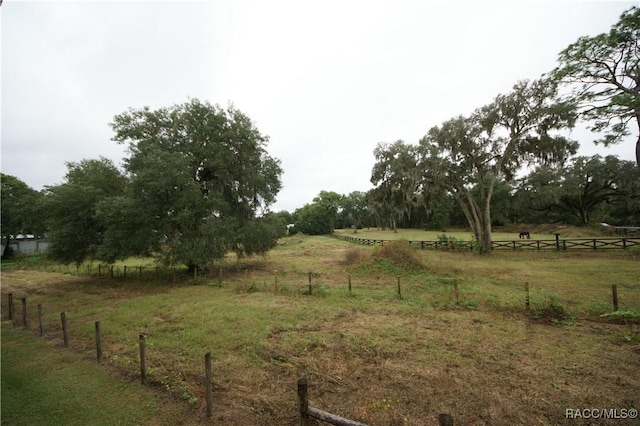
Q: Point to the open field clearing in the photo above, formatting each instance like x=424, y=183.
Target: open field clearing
x=505, y=233
x=370, y=355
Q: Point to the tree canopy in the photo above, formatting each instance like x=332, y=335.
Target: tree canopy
x=604, y=72
x=19, y=205
x=396, y=177
x=201, y=182
x=75, y=231
x=491, y=145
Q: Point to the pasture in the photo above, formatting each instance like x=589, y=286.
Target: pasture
x=369, y=354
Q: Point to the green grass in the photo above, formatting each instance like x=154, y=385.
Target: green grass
x=480, y=357
x=44, y=385
x=509, y=233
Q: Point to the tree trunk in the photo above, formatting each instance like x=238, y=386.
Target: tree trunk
x=638, y=152
x=5, y=253
x=486, y=225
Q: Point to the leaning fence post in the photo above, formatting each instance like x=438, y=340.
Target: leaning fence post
x=399, y=291
x=527, y=300
x=303, y=402
x=12, y=314
x=349, y=283
x=40, y=319
x=207, y=384
x=24, y=312
x=98, y=342
x=65, y=329
x=143, y=361
x=614, y=291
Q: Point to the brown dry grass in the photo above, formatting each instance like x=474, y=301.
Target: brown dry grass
x=370, y=355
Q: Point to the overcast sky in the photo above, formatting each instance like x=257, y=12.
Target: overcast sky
x=326, y=81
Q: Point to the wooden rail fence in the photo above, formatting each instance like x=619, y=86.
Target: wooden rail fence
x=558, y=244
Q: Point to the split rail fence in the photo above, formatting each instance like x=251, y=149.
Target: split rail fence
x=558, y=244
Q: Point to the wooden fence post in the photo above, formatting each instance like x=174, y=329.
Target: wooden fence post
x=65, y=329
x=527, y=300
x=99, y=270
x=111, y=271
x=303, y=402
x=207, y=384
x=220, y=277
x=399, y=291
x=614, y=291
x=12, y=313
x=40, y=319
x=143, y=361
x=445, y=420
x=98, y=342
x=24, y=312
x=275, y=281
x=309, y=283
x=125, y=272
x=349, y=283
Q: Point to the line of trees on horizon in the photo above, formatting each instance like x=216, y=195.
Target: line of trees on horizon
x=471, y=159
x=198, y=182
x=587, y=191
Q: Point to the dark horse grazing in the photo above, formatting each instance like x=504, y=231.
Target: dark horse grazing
x=524, y=234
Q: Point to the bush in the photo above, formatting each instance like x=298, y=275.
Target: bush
x=354, y=255
x=400, y=254
x=552, y=311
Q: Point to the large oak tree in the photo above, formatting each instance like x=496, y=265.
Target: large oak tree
x=468, y=156
x=201, y=182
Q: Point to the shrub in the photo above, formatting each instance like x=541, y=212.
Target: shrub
x=400, y=254
x=552, y=311
x=354, y=255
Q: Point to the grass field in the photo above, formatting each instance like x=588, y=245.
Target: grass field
x=369, y=354
x=504, y=233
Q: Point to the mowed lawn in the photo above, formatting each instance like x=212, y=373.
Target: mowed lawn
x=45, y=384
x=370, y=354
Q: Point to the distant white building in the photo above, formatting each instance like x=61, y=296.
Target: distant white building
x=27, y=243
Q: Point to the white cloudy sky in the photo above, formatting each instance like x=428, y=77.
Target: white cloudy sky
x=326, y=81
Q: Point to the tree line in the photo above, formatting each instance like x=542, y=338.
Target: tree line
x=198, y=181
x=196, y=185
x=469, y=166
